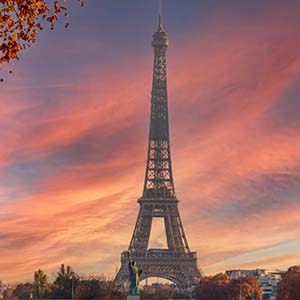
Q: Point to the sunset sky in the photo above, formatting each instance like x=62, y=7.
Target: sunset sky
x=74, y=119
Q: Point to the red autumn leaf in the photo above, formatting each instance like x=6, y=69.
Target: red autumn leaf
x=21, y=20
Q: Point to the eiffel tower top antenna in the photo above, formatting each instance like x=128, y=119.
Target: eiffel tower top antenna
x=160, y=7
x=160, y=14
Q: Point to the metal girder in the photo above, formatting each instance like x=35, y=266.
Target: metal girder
x=177, y=263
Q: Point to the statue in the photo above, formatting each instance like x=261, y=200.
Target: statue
x=134, y=278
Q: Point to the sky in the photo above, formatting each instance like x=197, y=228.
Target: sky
x=74, y=121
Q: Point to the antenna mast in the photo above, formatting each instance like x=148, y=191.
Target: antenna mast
x=160, y=7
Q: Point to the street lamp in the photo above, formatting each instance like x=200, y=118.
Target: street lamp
x=253, y=292
x=72, y=287
x=240, y=298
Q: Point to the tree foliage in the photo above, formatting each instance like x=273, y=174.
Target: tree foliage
x=21, y=20
x=97, y=287
x=222, y=287
x=22, y=291
x=289, y=286
x=214, y=288
x=163, y=291
x=8, y=294
x=246, y=286
x=66, y=280
x=40, y=284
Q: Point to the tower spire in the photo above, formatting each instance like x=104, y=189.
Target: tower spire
x=160, y=23
x=160, y=20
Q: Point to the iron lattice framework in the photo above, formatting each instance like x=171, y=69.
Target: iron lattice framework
x=176, y=263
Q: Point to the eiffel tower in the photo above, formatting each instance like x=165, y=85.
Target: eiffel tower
x=176, y=263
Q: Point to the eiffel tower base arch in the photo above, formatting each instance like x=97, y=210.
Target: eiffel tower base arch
x=179, y=268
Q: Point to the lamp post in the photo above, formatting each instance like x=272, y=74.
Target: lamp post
x=240, y=297
x=72, y=287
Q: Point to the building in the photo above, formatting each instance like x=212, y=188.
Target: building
x=268, y=280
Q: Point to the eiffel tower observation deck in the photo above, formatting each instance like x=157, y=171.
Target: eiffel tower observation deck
x=177, y=262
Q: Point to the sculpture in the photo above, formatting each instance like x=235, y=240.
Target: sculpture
x=134, y=276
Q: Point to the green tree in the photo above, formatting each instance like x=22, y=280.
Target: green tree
x=40, y=284
x=64, y=283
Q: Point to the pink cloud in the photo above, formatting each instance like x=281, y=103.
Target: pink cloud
x=222, y=89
